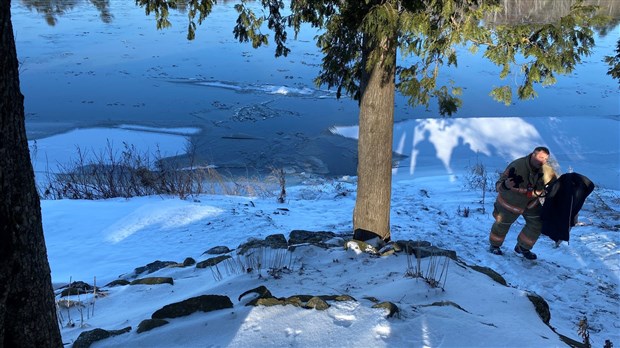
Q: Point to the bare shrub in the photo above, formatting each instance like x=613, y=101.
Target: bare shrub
x=274, y=261
x=74, y=302
x=463, y=212
x=413, y=270
x=478, y=178
x=584, y=331
x=278, y=175
x=130, y=173
x=436, y=273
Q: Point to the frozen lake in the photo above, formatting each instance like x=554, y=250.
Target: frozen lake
x=247, y=110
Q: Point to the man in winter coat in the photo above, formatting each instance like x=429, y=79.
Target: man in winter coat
x=519, y=189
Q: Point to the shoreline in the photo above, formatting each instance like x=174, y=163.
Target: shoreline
x=422, y=147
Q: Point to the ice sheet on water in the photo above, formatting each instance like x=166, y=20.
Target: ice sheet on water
x=291, y=91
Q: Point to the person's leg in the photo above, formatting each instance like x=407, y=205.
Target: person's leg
x=503, y=221
x=529, y=234
x=532, y=229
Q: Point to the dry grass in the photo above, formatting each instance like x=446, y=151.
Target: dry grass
x=129, y=173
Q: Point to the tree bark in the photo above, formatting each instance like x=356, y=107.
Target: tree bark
x=27, y=308
x=376, y=119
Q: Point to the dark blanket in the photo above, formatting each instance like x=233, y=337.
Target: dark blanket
x=564, y=199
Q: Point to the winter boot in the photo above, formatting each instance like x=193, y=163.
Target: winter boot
x=526, y=253
x=495, y=250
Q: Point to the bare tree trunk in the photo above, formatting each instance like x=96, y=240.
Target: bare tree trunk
x=374, y=169
x=27, y=308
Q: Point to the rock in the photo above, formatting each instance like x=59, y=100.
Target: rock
x=316, y=303
x=150, y=324
x=267, y=302
x=77, y=288
x=203, y=303
x=186, y=263
x=118, y=282
x=87, y=338
x=217, y=250
x=212, y=261
x=153, y=281
x=542, y=307
x=275, y=241
x=339, y=298
x=309, y=237
x=189, y=262
x=491, y=273
x=262, y=292
x=265, y=298
x=391, y=307
x=153, y=266
x=425, y=249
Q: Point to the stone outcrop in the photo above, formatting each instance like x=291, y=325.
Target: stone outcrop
x=153, y=281
x=87, y=338
x=264, y=297
x=212, y=261
x=150, y=324
x=203, y=303
x=318, y=302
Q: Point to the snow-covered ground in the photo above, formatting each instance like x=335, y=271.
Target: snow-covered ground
x=101, y=241
x=113, y=83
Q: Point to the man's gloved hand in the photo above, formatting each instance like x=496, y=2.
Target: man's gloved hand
x=516, y=179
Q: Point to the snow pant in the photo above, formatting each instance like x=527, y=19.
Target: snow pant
x=503, y=220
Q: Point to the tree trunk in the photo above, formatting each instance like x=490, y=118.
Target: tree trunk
x=27, y=307
x=374, y=168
